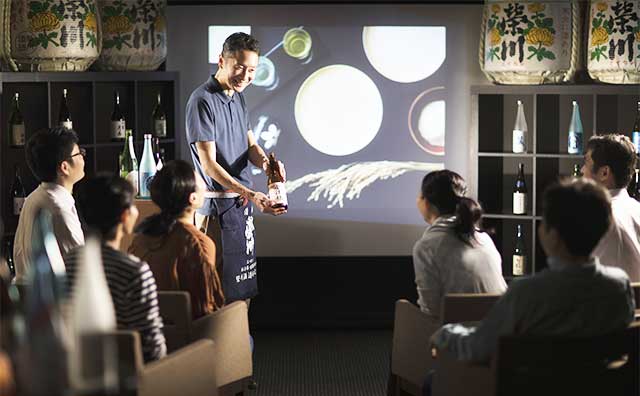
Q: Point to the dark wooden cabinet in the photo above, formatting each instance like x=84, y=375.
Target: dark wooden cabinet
x=90, y=97
x=548, y=109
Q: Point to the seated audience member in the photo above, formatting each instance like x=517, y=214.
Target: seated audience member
x=575, y=296
x=57, y=163
x=181, y=256
x=106, y=205
x=453, y=255
x=610, y=161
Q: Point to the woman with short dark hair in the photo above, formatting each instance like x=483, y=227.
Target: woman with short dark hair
x=181, y=256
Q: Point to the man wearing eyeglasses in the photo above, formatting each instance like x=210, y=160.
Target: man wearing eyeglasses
x=57, y=162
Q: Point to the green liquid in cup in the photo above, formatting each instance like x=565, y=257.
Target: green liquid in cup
x=297, y=43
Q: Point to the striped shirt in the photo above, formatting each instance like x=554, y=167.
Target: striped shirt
x=135, y=297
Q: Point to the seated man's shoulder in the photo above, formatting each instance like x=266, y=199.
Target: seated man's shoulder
x=195, y=238
x=613, y=274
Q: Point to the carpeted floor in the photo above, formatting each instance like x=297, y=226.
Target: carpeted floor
x=322, y=363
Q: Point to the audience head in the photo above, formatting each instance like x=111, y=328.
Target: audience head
x=176, y=189
x=53, y=155
x=610, y=160
x=576, y=213
x=105, y=203
x=443, y=194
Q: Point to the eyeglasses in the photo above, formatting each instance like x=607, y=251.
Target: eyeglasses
x=82, y=152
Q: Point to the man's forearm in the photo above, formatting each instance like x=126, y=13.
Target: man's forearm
x=257, y=155
x=220, y=175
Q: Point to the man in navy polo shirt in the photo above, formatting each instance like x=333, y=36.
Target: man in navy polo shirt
x=222, y=145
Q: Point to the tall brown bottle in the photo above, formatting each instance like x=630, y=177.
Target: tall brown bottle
x=275, y=183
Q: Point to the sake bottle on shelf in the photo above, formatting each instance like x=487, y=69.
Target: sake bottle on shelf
x=158, y=153
x=520, y=192
x=18, y=194
x=16, y=124
x=8, y=256
x=147, y=167
x=519, y=258
x=64, y=117
x=128, y=161
x=118, y=124
x=576, y=171
x=635, y=133
x=635, y=185
x=275, y=183
x=159, y=120
x=575, y=131
x=520, y=131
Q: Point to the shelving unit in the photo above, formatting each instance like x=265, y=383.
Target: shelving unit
x=603, y=109
x=90, y=100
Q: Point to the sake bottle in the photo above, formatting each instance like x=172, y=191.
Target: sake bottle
x=575, y=131
x=520, y=131
x=147, y=167
x=16, y=124
x=275, y=183
x=520, y=192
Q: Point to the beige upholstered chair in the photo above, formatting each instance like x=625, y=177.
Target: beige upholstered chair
x=411, y=354
x=185, y=372
x=228, y=328
x=175, y=309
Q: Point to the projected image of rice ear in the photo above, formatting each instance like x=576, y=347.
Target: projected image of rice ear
x=348, y=181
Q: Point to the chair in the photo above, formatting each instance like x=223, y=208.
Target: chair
x=228, y=327
x=635, y=286
x=552, y=365
x=175, y=309
x=467, y=307
x=185, y=372
x=453, y=377
x=410, y=355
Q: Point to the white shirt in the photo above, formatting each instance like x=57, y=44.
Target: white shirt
x=620, y=246
x=64, y=217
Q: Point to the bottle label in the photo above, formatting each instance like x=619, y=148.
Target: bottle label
x=519, y=203
x=278, y=193
x=575, y=143
x=636, y=140
x=160, y=128
x=17, y=135
x=67, y=124
x=518, y=265
x=118, y=129
x=145, y=182
x=18, y=203
x=519, y=141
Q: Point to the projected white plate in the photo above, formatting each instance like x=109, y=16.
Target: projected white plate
x=405, y=54
x=338, y=110
x=427, y=120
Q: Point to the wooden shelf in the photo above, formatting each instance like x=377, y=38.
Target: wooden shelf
x=604, y=109
x=90, y=100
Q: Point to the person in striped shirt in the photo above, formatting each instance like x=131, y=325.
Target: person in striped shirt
x=106, y=205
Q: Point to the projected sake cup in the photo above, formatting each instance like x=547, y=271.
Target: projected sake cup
x=297, y=43
x=266, y=75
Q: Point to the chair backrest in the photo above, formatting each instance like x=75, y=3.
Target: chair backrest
x=636, y=293
x=411, y=354
x=98, y=350
x=467, y=307
x=186, y=372
x=228, y=327
x=552, y=365
x=175, y=309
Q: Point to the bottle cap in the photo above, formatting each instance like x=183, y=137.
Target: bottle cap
x=147, y=136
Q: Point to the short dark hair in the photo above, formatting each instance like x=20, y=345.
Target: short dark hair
x=580, y=211
x=617, y=152
x=240, y=42
x=46, y=150
x=101, y=201
x=447, y=190
x=170, y=190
